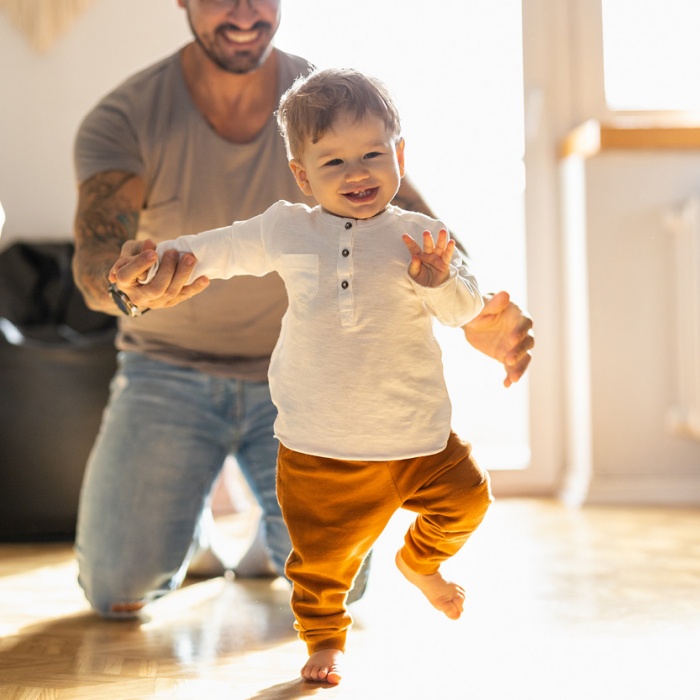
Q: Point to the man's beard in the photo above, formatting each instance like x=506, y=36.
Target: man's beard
x=241, y=62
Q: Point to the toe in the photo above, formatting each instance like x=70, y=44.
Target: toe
x=322, y=667
x=314, y=673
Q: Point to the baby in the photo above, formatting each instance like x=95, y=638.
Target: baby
x=363, y=411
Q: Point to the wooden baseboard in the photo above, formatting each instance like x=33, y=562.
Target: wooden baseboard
x=638, y=489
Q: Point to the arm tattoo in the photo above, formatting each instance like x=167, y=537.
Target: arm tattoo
x=129, y=221
x=105, y=220
x=104, y=215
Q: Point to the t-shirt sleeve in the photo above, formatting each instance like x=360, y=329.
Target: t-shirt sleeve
x=106, y=140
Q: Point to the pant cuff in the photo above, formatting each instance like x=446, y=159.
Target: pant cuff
x=415, y=565
x=337, y=642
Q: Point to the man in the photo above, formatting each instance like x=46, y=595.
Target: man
x=188, y=144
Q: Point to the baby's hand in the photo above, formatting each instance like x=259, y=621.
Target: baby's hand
x=135, y=259
x=149, y=287
x=430, y=267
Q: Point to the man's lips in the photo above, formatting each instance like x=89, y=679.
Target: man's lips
x=240, y=36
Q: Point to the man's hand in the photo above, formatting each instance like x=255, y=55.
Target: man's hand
x=167, y=288
x=504, y=332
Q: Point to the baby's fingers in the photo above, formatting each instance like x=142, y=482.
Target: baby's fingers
x=414, y=267
x=412, y=246
x=442, y=240
x=447, y=254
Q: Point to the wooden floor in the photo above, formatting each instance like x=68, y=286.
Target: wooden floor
x=563, y=604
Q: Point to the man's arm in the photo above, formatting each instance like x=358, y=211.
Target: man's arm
x=106, y=222
x=502, y=330
x=410, y=199
x=107, y=216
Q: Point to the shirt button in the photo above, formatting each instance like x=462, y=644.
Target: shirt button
x=346, y=252
x=348, y=225
x=344, y=284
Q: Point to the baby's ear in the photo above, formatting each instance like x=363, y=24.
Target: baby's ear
x=300, y=176
x=400, y=145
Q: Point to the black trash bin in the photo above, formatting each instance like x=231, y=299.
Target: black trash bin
x=56, y=361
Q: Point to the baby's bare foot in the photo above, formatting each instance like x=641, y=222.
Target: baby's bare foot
x=324, y=666
x=447, y=597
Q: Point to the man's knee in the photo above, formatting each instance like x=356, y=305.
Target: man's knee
x=112, y=606
x=109, y=602
x=122, y=611
x=118, y=595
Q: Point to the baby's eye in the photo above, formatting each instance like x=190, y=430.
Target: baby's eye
x=373, y=154
x=334, y=161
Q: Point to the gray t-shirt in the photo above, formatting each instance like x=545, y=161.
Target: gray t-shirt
x=195, y=180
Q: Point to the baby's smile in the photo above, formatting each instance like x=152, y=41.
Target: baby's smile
x=361, y=195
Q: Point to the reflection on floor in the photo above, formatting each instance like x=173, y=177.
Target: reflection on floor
x=563, y=604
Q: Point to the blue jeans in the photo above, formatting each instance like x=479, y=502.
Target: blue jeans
x=162, y=443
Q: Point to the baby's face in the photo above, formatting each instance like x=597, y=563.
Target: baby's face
x=354, y=169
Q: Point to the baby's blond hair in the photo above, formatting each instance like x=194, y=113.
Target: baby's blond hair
x=312, y=104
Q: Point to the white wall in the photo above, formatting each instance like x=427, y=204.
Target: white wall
x=621, y=315
x=620, y=351
x=43, y=97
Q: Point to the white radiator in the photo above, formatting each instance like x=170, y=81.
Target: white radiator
x=684, y=225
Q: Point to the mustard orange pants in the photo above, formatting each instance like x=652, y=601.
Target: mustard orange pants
x=336, y=509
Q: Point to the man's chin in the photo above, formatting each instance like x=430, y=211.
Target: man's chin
x=244, y=62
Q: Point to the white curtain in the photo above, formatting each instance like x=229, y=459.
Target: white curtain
x=43, y=21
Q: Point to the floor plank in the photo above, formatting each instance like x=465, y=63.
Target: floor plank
x=562, y=604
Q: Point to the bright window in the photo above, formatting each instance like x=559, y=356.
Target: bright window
x=456, y=72
x=652, y=54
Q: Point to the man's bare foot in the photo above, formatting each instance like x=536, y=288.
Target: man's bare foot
x=127, y=607
x=324, y=666
x=447, y=597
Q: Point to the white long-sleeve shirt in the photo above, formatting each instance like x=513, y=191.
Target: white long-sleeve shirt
x=357, y=372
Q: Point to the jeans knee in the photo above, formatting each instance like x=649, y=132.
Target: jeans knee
x=107, y=602
x=120, y=611
x=115, y=595
x=111, y=606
